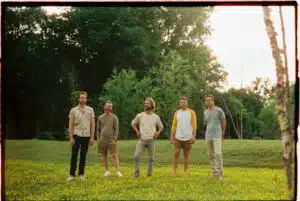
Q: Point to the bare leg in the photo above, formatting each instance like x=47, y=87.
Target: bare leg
x=186, y=159
x=116, y=161
x=105, y=160
x=175, y=160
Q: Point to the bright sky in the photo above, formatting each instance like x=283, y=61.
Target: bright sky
x=239, y=40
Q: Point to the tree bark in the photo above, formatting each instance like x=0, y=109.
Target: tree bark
x=287, y=83
x=72, y=75
x=280, y=100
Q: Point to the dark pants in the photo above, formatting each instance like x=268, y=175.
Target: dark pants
x=83, y=144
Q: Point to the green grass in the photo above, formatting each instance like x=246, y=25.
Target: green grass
x=37, y=170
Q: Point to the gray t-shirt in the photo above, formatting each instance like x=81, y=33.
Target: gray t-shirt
x=212, y=119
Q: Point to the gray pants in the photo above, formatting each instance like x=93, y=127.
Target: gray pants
x=141, y=145
x=214, y=151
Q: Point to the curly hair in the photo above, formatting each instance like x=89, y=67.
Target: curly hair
x=152, y=102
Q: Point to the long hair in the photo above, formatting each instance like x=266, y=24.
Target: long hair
x=152, y=102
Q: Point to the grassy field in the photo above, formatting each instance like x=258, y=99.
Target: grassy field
x=37, y=170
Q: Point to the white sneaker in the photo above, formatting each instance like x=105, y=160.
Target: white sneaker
x=119, y=174
x=107, y=173
x=81, y=177
x=70, y=178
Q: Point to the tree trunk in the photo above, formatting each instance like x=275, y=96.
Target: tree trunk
x=70, y=71
x=280, y=100
x=287, y=83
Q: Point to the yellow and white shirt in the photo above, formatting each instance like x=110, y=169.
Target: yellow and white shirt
x=184, y=124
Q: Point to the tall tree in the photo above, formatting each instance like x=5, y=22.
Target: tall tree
x=287, y=83
x=281, y=96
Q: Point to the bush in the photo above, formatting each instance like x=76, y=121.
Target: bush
x=67, y=136
x=45, y=136
x=268, y=123
x=52, y=136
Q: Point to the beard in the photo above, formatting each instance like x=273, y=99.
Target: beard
x=82, y=102
x=147, y=108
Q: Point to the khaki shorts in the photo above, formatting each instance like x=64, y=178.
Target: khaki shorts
x=105, y=145
x=185, y=145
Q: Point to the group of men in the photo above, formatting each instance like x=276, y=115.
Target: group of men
x=147, y=126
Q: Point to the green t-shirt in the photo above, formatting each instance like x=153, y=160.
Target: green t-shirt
x=107, y=127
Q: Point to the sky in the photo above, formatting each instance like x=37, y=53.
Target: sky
x=241, y=44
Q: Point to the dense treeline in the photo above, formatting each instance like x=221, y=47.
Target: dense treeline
x=120, y=54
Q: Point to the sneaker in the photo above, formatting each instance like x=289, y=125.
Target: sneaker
x=119, y=174
x=107, y=173
x=70, y=178
x=81, y=177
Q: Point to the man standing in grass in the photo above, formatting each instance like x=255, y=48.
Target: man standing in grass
x=183, y=133
x=147, y=121
x=107, y=135
x=81, y=131
x=215, y=121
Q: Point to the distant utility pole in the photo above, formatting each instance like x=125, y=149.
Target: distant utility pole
x=241, y=106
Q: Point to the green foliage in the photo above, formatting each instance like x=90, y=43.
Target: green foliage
x=78, y=50
x=244, y=162
x=268, y=123
x=127, y=94
x=165, y=83
x=245, y=104
x=52, y=136
x=172, y=79
x=67, y=136
x=74, y=97
x=158, y=51
x=45, y=136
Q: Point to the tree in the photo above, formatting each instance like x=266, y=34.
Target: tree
x=281, y=99
x=50, y=57
x=268, y=125
x=251, y=104
x=171, y=80
x=127, y=94
x=28, y=65
x=287, y=83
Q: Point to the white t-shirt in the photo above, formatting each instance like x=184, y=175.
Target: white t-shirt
x=147, y=124
x=185, y=123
